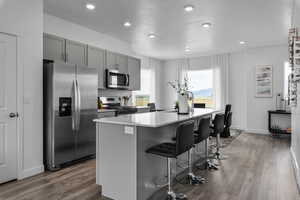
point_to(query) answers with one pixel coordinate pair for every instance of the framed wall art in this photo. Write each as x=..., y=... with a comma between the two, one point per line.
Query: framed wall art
x=264, y=81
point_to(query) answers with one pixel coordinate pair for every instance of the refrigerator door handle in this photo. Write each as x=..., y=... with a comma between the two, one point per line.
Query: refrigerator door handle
x=74, y=102
x=78, y=105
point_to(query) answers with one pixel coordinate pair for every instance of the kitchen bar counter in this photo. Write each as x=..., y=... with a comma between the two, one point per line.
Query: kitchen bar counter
x=124, y=170
x=154, y=119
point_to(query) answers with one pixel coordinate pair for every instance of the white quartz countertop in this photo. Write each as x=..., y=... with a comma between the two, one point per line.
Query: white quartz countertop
x=154, y=119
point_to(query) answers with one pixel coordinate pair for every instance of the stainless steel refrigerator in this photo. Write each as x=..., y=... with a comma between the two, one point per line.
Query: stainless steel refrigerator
x=70, y=105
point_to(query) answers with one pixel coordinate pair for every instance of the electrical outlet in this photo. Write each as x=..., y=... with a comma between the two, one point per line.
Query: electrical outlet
x=129, y=130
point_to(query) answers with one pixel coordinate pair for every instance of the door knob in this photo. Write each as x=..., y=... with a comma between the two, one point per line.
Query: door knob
x=13, y=115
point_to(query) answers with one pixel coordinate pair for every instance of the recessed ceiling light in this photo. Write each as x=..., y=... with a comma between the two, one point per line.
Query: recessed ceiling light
x=127, y=24
x=242, y=42
x=152, y=36
x=206, y=25
x=188, y=8
x=187, y=49
x=90, y=6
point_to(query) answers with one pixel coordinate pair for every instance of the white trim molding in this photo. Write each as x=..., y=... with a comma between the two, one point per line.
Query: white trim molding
x=258, y=131
x=296, y=168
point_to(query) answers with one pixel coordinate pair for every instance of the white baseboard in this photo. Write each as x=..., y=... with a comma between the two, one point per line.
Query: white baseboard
x=296, y=168
x=258, y=131
x=31, y=172
x=236, y=128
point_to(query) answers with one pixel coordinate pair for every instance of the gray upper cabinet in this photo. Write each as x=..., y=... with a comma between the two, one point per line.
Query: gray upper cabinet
x=122, y=62
x=76, y=53
x=117, y=62
x=134, y=70
x=54, y=48
x=111, y=60
x=96, y=58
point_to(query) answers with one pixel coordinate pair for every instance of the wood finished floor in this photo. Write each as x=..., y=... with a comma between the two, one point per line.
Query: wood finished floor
x=258, y=168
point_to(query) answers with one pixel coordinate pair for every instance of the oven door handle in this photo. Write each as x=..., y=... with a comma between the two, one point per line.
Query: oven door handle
x=127, y=79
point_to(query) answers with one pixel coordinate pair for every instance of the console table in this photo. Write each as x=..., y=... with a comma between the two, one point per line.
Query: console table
x=275, y=129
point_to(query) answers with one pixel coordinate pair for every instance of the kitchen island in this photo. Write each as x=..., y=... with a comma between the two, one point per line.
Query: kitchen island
x=124, y=170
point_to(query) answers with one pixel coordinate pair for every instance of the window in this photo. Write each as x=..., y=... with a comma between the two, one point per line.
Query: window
x=145, y=95
x=287, y=72
x=201, y=85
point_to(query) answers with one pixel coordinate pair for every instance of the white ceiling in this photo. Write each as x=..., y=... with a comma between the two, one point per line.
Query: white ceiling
x=259, y=22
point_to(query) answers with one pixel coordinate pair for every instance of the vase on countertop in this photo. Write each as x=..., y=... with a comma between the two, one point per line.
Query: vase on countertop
x=183, y=103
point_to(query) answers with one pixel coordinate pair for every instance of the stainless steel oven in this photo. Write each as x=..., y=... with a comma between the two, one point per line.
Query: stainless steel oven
x=116, y=80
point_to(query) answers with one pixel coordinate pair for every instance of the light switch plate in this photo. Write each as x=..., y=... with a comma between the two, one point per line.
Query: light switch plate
x=129, y=130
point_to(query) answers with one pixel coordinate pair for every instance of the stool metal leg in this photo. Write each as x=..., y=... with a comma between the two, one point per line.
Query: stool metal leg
x=193, y=180
x=171, y=194
x=209, y=164
x=218, y=154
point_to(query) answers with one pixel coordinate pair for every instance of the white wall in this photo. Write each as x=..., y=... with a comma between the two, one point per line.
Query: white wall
x=250, y=113
x=62, y=28
x=25, y=19
x=170, y=72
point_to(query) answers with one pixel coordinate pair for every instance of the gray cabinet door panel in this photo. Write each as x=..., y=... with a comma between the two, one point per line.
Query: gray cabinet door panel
x=117, y=61
x=76, y=53
x=122, y=63
x=96, y=58
x=54, y=48
x=111, y=60
x=134, y=70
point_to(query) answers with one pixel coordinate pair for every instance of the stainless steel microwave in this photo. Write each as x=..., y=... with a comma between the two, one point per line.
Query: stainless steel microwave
x=116, y=80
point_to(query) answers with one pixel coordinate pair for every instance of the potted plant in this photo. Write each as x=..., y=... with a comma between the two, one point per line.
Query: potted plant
x=184, y=95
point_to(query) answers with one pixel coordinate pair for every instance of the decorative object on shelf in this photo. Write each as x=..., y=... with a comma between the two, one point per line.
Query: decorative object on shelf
x=184, y=96
x=264, y=81
x=294, y=60
x=280, y=102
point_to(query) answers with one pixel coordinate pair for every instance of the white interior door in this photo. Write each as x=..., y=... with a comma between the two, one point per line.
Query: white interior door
x=8, y=108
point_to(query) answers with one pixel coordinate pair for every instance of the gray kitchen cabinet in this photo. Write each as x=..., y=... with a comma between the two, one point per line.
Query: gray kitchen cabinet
x=122, y=62
x=96, y=58
x=134, y=71
x=76, y=53
x=111, y=61
x=116, y=61
x=54, y=48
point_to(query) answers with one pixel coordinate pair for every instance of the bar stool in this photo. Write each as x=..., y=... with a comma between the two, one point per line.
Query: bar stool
x=202, y=134
x=184, y=143
x=228, y=121
x=217, y=129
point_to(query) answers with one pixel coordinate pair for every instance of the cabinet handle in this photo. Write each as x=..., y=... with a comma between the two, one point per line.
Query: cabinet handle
x=67, y=57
